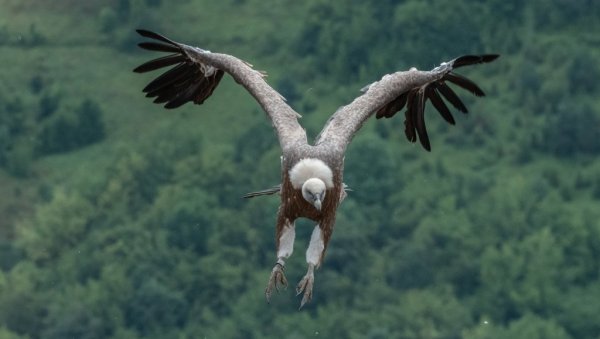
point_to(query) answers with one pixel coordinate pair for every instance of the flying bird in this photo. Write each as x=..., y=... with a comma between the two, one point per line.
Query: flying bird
x=311, y=174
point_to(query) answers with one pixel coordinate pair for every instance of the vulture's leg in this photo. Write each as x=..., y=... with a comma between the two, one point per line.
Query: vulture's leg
x=285, y=247
x=313, y=258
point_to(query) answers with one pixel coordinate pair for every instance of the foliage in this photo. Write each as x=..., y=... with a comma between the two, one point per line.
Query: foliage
x=494, y=234
x=67, y=132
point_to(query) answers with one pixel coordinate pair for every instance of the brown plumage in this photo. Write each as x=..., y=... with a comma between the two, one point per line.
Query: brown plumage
x=311, y=175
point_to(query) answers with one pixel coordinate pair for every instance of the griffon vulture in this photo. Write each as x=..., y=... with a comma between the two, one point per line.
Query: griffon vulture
x=311, y=174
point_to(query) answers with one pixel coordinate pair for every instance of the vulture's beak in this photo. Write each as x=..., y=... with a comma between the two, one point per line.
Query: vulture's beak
x=318, y=204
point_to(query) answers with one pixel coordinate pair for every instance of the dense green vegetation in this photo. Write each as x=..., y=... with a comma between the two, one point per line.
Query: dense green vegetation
x=119, y=219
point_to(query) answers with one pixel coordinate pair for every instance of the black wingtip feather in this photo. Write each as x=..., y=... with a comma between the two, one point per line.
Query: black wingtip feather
x=155, y=46
x=432, y=94
x=419, y=114
x=449, y=94
x=409, y=118
x=184, y=82
x=465, y=83
x=489, y=57
x=168, y=78
x=467, y=60
x=392, y=107
x=199, y=100
x=155, y=64
x=152, y=35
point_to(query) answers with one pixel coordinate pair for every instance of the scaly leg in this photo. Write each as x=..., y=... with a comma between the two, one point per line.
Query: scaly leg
x=313, y=258
x=285, y=249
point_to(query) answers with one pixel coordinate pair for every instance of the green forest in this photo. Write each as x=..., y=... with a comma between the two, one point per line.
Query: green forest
x=120, y=219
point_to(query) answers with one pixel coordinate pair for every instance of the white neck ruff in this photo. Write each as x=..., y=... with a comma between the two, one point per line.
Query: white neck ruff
x=310, y=168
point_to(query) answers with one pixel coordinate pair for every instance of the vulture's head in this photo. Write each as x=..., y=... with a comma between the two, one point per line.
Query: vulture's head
x=313, y=191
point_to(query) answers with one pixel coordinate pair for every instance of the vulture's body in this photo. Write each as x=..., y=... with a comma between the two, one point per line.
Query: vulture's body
x=311, y=174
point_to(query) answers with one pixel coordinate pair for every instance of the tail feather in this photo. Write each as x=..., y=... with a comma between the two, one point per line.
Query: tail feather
x=269, y=191
x=277, y=189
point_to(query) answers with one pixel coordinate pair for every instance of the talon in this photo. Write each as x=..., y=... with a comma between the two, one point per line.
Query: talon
x=300, y=287
x=276, y=279
x=280, y=280
x=306, y=285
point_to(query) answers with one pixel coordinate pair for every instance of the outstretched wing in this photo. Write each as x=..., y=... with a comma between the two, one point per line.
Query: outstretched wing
x=195, y=73
x=410, y=89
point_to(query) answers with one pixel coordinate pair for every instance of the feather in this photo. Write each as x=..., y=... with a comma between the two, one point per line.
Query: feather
x=393, y=107
x=420, y=119
x=366, y=88
x=160, y=63
x=449, y=94
x=409, y=121
x=155, y=46
x=172, y=92
x=189, y=92
x=383, y=111
x=169, y=93
x=166, y=79
x=465, y=83
x=152, y=35
x=432, y=94
x=467, y=60
x=203, y=92
x=269, y=191
x=207, y=91
x=172, y=89
x=218, y=77
x=183, y=97
x=310, y=168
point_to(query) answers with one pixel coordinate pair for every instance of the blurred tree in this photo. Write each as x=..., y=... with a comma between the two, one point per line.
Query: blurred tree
x=577, y=313
x=185, y=214
x=56, y=227
x=570, y=132
x=48, y=104
x=66, y=132
x=532, y=326
x=583, y=73
x=522, y=278
x=74, y=320
x=90, y=127
x=153, y=3
x=108, y=20
x=431, y=313
x=368, y=161
x=7, y=334
x=36, y=84
x=415, y=21
x=22, y=305
x=153, y=306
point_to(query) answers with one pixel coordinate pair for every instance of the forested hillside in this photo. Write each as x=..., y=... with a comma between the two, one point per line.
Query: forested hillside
x=120, y=219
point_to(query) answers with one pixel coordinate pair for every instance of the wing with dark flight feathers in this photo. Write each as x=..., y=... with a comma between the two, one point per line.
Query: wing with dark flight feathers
x=195, y=73
x=409, y=89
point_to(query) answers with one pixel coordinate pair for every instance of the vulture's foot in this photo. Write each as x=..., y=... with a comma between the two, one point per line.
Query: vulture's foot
x=277, y=279
x=306, y=285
